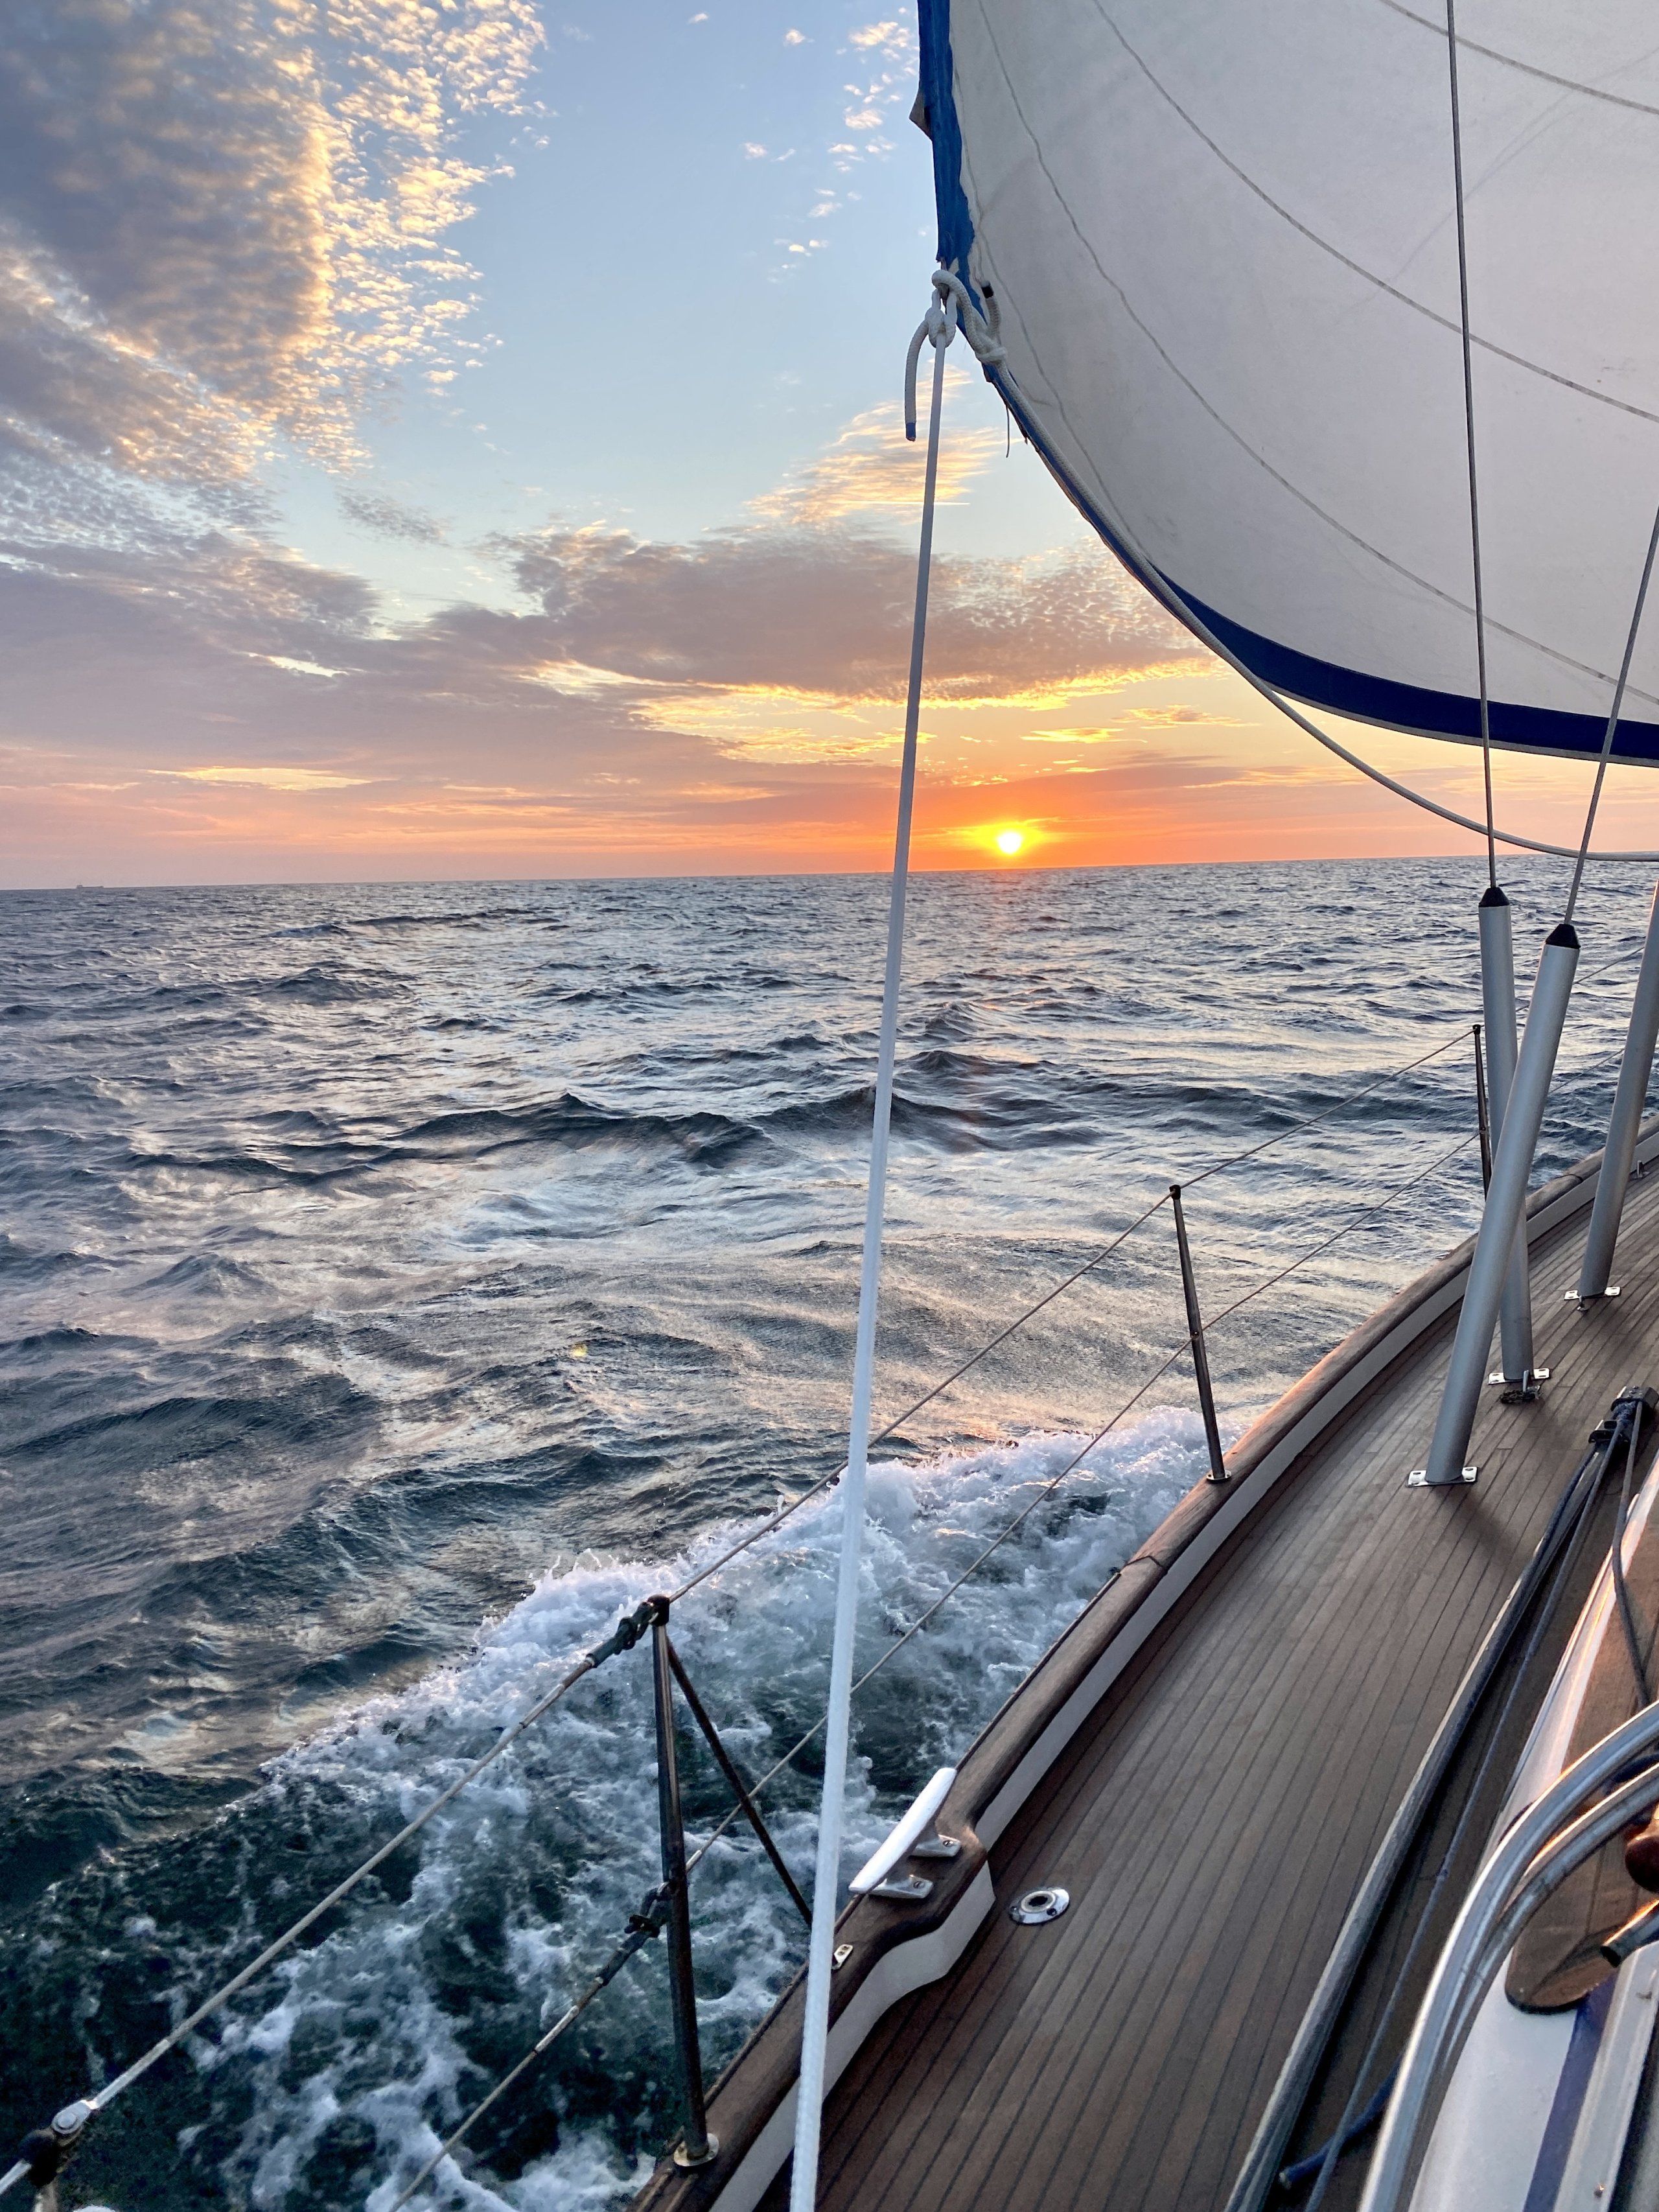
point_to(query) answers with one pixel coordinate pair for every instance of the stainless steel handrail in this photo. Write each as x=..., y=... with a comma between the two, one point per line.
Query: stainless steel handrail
x=1525, y=1866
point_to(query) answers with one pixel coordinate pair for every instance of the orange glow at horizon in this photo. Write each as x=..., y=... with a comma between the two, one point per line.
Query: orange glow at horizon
x=1195, y=771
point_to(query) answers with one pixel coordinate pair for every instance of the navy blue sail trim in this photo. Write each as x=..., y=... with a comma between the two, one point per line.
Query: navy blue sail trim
x=1300, y=676
x=938, y=100
x=1412, y=706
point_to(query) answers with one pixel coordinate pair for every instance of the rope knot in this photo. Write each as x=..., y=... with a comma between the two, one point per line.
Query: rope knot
x=626, y=1633
x=652, y=1916
x=951, y=308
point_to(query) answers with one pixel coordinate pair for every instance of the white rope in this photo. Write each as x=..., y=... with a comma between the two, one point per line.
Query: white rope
x=939, y=328
x=981, y=334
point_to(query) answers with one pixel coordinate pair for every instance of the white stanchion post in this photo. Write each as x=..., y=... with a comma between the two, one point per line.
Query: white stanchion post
x=1503, y=1218
x=1498, y=1005
x=1635, y=1072
x=826, y=1885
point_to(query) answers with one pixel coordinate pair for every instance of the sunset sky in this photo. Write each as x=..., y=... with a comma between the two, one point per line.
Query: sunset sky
x=463, y=440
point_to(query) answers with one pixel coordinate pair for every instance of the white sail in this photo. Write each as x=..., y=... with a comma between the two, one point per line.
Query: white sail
x=1221, y=238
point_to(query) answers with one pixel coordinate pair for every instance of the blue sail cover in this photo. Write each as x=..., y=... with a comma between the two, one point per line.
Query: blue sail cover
x=1221, y=238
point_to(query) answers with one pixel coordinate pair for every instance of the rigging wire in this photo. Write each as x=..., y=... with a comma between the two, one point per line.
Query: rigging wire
x=1123, y=541
x=629, y=1630
x=642, y=1928
x=1053, y=1481
x=723, y=1826
x=1215, y=1167
x=1468, y=426
x=1612, y=719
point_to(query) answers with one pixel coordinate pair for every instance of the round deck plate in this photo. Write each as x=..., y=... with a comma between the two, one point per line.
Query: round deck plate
x=1038, y=1906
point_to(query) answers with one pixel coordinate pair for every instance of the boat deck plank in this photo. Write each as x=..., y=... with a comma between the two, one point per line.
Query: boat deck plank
x=1215, y=1814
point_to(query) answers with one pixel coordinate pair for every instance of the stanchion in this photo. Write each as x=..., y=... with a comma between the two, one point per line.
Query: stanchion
x=1195, y=1331
x=698, y=2146
x=1504, y=1218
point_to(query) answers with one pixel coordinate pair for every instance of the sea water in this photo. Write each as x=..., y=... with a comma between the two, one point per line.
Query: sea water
x=402, y=1282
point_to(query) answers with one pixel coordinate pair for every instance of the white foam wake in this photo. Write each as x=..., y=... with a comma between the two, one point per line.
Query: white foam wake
x=396, y=2022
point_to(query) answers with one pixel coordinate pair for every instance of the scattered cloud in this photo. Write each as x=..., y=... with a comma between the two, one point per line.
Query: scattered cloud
x=824, y=611
x=300, y=667
x=874, y=104
x=1134, y=723
x=794, y=38
x=892, y=38
x=1169, y=718
x=750, y=676
x=244, y=776
x=871, y=468
x=390, y=518
x=228, y=220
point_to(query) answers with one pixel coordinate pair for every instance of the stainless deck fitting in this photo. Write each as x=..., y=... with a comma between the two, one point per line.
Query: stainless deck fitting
x=906, y=1888
x=1038, y=1906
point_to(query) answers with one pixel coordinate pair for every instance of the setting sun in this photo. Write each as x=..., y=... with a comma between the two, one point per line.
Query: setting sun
x=1009, y=841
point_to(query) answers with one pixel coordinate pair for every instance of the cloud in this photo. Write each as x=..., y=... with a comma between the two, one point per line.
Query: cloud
x=871, y=468
x=826, y=611
x=891, y=38
x=174, y=668
x=1170, y=718
x=227, y=219
x=1134, y=722
x=874, y=103
x=250, y=776
x=390, y=518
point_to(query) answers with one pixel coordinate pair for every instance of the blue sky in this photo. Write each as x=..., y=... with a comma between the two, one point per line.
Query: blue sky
x=461, y=437
x=712, y=245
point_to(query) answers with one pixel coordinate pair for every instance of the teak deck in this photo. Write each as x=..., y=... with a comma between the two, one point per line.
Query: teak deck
x=1214, y=1811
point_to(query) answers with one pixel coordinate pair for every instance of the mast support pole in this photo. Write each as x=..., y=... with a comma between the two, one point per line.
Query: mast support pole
x=1635, y=1071
x=1504, y=1220
x=1498, y=1004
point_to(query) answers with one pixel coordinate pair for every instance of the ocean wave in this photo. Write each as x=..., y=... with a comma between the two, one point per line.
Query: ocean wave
x=354, y=1270
x=573, y=1121
x=332, y=2081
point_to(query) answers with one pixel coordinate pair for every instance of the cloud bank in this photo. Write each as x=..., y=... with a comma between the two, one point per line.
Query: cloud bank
x=227, y=222
x=227, y=233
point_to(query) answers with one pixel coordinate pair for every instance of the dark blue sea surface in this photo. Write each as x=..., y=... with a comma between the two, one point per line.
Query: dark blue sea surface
x=400, y=1282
